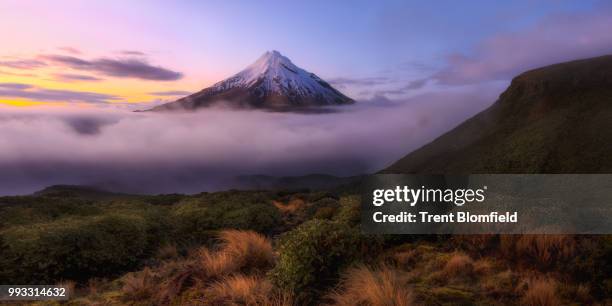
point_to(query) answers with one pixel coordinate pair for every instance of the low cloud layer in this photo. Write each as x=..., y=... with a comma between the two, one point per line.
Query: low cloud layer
x=161, y=153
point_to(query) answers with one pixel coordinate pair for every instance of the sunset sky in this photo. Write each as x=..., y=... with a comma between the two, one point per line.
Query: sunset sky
x=136, y=53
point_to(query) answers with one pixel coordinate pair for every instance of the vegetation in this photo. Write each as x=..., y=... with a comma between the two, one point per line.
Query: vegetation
x=312, y=255
x=279, y=248
x=554, y=119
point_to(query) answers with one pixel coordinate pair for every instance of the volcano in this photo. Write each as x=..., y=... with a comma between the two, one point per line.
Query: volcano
x=271, y=82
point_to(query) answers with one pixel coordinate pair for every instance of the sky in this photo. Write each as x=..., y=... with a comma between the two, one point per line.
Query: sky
x=71, y=72
x=134, y=53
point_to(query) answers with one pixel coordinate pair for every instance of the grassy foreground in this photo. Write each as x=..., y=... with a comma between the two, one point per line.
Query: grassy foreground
x=278, y=248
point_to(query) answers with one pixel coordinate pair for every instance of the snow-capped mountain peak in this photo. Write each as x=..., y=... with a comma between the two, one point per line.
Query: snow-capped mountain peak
x=272, y=81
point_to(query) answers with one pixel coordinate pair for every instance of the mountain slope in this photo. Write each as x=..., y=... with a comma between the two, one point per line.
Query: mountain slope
x=555, y=119
x=273, y=82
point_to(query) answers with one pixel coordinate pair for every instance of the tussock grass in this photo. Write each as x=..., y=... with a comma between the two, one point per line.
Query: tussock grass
x=139, y=286
x=239, y=251
x=540, y=292
x=545, y=250
x=245, y=290
x=364, y=286
x=291, y=207
x=459, y=264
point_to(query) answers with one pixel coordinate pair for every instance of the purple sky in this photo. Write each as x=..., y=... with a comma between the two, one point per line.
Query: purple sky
x=71, y=71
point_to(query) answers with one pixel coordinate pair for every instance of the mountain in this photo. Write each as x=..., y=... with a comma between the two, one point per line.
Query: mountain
x=272, y=82
x=555, y=119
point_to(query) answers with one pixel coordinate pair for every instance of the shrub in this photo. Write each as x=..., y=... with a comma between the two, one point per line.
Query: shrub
x=312, y=254
x=72, y=249
x=592, y=264
x=24, y=210
x=350, y=210
x=324, y=213
x=324, y=208
x=167, y=252
x=363, y=286
x=197, y=221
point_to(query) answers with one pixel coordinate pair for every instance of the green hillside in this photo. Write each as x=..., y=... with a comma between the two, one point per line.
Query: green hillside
x=555, y=119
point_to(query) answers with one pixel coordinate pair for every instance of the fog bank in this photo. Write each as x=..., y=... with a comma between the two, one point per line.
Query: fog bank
x=204, y=151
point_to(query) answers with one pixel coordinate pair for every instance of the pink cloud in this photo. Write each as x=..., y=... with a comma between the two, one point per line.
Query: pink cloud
x=558, y=38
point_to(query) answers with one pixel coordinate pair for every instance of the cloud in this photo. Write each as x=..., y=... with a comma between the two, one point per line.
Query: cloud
x=88, y=125
x=68, y=77
x=161, y=153
x=70, y=50
x=132, y=52
x=416, y=84
x=171, y=93
x=15, y=90
x=17, y=74
x=17, y=86
x=557, y=38
x=124, y=68
x=369, y=81
x=25, y=64
x=411, y=86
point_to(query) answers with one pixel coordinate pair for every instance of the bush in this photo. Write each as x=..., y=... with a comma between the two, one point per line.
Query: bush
x=312, y=255
x=198, y=221
x=592, y=264
x=350, y=210
x=71, y=249
x=324, y=208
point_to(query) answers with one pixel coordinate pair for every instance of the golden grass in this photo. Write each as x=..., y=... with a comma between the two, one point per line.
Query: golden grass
x=291, y=207
x=244, y=290
x=459, y=264
x=248, y=248
x=239, y=251
x=474, y=243
x=69, y=285
x=498, y=284
x=540, y=292
x=545, y=250
x=139, y=285
x=483, y=266
x=363, y=286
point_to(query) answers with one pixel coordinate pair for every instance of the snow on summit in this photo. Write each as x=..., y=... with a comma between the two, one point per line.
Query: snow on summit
x=272, y=81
